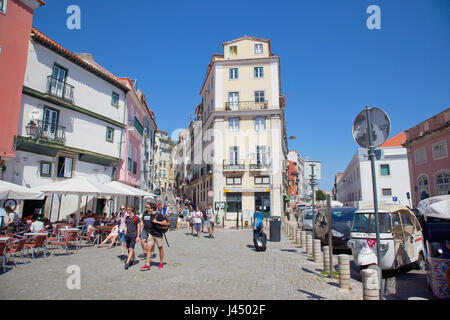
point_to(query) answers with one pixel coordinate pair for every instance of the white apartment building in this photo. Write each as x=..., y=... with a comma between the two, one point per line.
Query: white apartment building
x=354, y=188
x=77, y=109
x=163, y=161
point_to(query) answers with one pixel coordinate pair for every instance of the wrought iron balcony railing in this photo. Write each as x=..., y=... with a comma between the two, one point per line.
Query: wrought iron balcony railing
x=59, y=88
x=234, y=164
x=51, y=132
x=259, y=165
x=246, y=105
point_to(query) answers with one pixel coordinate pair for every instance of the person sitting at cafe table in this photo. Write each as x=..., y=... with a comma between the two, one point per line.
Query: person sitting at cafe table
x=37, y=225
x=47, y=224
x=87, y=223
x=13, y=220
x=111, y=236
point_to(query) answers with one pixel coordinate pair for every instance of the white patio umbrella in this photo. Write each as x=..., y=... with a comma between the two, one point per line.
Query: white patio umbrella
x=80, y=185
x=134, y=191
x=10, y=190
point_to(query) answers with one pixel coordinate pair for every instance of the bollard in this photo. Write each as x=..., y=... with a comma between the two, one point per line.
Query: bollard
x=297, y=236
x=326, y=259
x=371, y=290
x=292, y=232
x=317, y=250
x=344, y=271
x=309, y=244
x=303, y=239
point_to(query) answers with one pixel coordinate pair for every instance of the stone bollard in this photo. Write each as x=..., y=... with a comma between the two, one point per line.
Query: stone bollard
x=292, y=232
x=371, y=289
x=317, y=251
x=297, y=238
x=326, y=259
x=344, y=271
x=309, y=244
x=303, y=239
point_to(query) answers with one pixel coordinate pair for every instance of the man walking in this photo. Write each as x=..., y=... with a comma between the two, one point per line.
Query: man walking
x=132, y=233
x=158, y=222
x=258, y=224
x=211, y=216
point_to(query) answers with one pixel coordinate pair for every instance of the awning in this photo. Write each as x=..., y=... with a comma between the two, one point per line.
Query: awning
x=128, y=189
x=80, y=185
x=10, y=190
x=436, y=207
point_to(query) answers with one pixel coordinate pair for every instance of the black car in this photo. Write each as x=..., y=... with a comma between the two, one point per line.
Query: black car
x=342, y=222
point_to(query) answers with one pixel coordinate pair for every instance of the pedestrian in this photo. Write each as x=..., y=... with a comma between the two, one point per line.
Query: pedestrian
x=185, y=216
x=156, y=223
x=211, y=216
x=132, y=233
x=198, y=220
x=205, y=219
x=190, y=219
x=145, y=231
x=258, y=224
x=180, y=217
x=122, y=220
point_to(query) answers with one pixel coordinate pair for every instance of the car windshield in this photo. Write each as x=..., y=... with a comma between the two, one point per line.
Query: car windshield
x=308, y=215
x=365, y=222
x=343, y=215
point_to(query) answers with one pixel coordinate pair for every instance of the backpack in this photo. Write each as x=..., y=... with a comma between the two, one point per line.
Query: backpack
x=162, y=229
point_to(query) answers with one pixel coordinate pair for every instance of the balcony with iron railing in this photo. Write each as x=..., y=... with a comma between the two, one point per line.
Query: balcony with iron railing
x=233, y=165
x=59, y=88
x=246, y=105
x=51, y=132
x=259, y=165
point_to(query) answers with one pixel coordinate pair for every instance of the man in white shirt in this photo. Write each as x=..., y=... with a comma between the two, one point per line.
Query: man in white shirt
x=37, y=225
x=198, y=219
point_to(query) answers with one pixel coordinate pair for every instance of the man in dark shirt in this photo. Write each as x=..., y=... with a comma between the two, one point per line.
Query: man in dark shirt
x=147, y=218
x=158, y=221
x=132, y=232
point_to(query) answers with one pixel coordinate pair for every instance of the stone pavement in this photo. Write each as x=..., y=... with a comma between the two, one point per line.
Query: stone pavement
x=223, y=268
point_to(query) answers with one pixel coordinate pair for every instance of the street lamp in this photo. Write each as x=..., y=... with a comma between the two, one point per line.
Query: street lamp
x=31, y=129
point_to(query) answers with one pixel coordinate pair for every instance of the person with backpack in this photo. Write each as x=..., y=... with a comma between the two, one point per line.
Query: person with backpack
x=205, y=219
x=132, y=233
x=158, y=224
x=258, y=227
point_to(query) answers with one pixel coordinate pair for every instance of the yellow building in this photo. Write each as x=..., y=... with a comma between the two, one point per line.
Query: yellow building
x=238, y=141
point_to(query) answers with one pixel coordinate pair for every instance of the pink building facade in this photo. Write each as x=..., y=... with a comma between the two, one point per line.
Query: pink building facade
x=429, y=163
x=16, y=18
x=129, y=168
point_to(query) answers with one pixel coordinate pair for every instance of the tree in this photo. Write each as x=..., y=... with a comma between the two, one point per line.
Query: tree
x=320, y=195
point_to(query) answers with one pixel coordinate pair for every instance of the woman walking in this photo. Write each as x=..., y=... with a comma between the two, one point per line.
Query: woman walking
x=198, y=220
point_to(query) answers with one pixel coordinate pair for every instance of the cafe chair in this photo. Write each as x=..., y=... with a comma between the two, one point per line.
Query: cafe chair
x=64, y=243
x=39, y=242
x=89, y=237
x=3, y=245
x=17, y=248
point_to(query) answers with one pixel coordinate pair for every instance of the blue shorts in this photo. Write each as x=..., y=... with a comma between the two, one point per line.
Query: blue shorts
x=198, y=226
x=122, y=237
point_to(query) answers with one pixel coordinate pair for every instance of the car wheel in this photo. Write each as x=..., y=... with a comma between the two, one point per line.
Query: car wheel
x=420, y=263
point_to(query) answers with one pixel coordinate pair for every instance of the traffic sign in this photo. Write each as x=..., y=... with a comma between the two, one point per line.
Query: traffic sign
x=381, y=127
x=395, y=199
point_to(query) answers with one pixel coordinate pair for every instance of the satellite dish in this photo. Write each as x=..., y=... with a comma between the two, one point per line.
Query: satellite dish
x=381, y=127
x=35, y=115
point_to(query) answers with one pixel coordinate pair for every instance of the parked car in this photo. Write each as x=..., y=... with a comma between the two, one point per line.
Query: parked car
x=306, y=220
x=342, y=218
x=436, y=211
x=401, y=240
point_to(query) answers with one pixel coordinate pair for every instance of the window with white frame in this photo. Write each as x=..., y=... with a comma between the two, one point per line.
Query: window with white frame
x=442, y=183
x=233, y=73
x=261, y=155
x=440, y=150
x=64, y=167
x=262, y=180
x=260, y=124
x=109, y=134
x=233, y=124
x=258, y=72
x=420, y=156
x=233, y=154
x=259, y=96
x=258, y=48
x=234, y=180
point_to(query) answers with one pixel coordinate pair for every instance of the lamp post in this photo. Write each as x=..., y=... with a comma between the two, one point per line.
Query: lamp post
x=313, y=184
x=31, y=129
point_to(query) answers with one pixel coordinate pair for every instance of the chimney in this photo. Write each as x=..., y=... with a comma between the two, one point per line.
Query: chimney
x=87, y=57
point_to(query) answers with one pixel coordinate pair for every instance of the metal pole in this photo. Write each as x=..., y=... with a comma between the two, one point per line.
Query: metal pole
x=330, y=234
x=312, y=195
x=375, y=198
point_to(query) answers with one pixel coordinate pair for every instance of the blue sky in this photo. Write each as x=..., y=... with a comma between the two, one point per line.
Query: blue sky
x=332, y=65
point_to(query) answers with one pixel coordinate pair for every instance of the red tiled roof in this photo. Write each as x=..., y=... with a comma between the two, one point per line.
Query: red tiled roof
x=95, y=68
x=395, y=141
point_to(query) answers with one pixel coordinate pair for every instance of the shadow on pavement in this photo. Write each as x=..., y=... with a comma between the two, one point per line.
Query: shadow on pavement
x=312, y=295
